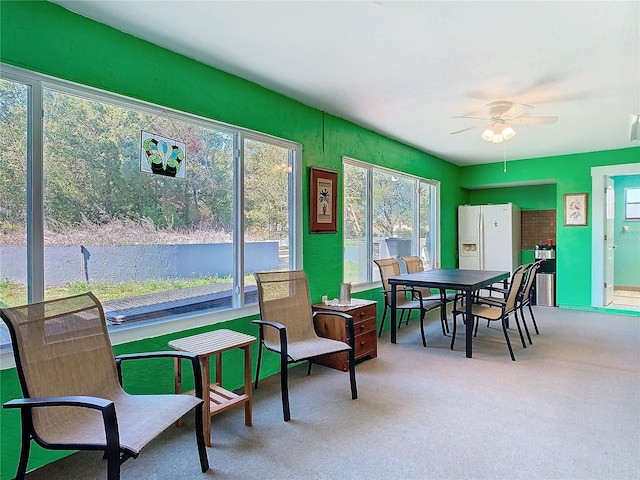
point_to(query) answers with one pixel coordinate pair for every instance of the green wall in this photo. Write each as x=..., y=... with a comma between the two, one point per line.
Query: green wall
x=528, y=197
x=572, y=174
x=44, y=37
x=627, y=253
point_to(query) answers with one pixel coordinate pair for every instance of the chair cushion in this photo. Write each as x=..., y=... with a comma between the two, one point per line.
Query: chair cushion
x=141, y=418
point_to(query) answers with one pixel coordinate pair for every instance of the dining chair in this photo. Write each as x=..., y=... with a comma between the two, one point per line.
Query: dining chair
x=286, y=327
x=525, y=300
x=414, y=264
x=407, y=299
x=72, y=385
x=494, y=310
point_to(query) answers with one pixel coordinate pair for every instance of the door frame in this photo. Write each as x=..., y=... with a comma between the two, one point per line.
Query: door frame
x=598, y=257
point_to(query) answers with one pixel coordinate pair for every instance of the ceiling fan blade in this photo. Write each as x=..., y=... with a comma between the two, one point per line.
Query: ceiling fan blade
x=473, y=118
x=518, y=110
x=533, y=120
x=464, y=130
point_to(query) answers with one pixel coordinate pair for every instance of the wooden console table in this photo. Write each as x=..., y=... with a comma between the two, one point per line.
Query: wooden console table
x=210, y=344
x=364, y=326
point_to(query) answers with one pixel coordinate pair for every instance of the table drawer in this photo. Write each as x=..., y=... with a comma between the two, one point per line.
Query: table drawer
x=363, y=314
x=366, y=344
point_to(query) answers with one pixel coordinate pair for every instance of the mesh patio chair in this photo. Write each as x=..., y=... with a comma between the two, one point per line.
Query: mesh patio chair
x=494, y=310
x=72, y=386
x=287, y=328
x=414, y=264
x=407, y=299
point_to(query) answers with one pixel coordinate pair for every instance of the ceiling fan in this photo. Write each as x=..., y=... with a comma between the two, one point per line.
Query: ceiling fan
x=502, y=115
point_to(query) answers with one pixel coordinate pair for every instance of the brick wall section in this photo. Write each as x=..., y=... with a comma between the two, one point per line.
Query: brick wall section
x=537, y=227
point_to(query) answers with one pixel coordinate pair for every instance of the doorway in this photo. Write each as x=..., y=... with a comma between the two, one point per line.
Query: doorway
x=601, y=264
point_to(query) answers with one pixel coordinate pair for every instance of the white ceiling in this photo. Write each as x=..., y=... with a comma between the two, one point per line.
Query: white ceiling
x=404, y=69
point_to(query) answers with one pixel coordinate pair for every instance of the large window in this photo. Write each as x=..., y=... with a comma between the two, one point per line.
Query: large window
x=82, y=209
x=386, y=214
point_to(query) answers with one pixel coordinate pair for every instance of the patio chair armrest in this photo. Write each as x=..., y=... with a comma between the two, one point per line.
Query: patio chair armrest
x=282, y=330
x=195, y=364
x=97, y=403
x=348, y=322
x=106, y=407
x=267, y=323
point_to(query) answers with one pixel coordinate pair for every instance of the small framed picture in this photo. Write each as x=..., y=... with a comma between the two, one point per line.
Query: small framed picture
x=575, y=209
x=323, y=192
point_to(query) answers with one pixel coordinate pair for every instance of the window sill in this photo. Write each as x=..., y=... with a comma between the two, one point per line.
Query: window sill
x=131, y=333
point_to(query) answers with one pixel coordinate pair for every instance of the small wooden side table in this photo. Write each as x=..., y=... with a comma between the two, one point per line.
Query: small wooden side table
x=210, y=344
x=364, y=327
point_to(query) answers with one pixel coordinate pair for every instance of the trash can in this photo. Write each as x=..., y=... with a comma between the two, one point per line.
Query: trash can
x=546, y=289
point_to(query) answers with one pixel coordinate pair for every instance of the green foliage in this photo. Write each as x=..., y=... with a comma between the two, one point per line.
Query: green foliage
x=92, y=170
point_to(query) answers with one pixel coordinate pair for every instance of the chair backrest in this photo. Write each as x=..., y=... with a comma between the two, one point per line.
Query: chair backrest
x=414, y=264
x=61, y=347
x=389, y=267
x=528, y=283
x=284, y=298
x=515, y=287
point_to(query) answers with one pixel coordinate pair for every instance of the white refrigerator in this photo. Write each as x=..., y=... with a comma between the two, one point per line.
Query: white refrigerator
x=489, y=237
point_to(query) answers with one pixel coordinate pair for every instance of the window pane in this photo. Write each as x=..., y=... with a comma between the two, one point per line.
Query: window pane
x=13, y=195
x=266, y=211
x=427, y=243
x=147, y=245
x=393, y=215
x=356, y=259
x=632, y=204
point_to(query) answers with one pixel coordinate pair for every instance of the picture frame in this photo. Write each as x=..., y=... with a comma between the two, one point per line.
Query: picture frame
x=323, y=196
x=575, y=209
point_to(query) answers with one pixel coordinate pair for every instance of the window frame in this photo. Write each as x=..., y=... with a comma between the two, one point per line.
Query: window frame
x=627, y=203
x=372, y=278
x=36, y=83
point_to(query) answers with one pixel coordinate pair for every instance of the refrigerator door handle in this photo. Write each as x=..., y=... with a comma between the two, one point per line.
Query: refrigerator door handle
x=481, y=241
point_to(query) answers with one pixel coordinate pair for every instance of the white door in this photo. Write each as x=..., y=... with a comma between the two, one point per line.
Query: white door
x=497, y=241
x=609, y=246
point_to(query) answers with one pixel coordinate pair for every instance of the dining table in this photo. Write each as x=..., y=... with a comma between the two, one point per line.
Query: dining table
x=464, y=281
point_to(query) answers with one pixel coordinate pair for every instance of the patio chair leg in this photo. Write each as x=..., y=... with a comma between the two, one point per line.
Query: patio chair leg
x=453, y=334
x=255, y=384
x=526, y=327
x=424, y=339
x=352, y=374
x=309, y=367
x=24, y=450
x=202, y=450
x=506, y=336
x=535, y=325
x=515, y=312
x=284, y=387
x=113, y=465
x=384, y=315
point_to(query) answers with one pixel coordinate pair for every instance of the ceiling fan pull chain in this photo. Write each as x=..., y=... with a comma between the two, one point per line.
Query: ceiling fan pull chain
x=504, y=151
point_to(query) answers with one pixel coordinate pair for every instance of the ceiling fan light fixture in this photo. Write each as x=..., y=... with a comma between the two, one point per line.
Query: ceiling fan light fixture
x=487, y=135
x=508, y=132
x=497, y=138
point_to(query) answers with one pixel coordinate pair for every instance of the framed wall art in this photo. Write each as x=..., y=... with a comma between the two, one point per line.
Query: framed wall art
x=323, y=192
x=575, y=209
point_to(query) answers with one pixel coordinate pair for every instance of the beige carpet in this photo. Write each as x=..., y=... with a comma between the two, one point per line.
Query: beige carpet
x=568, y=408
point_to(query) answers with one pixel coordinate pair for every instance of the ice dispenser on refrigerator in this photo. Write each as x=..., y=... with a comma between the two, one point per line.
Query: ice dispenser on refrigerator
x=546, y=277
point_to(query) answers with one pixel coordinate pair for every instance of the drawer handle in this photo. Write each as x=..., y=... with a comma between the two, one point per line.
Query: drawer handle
x=361, y=327
x=362, y=344
x=361, y=314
